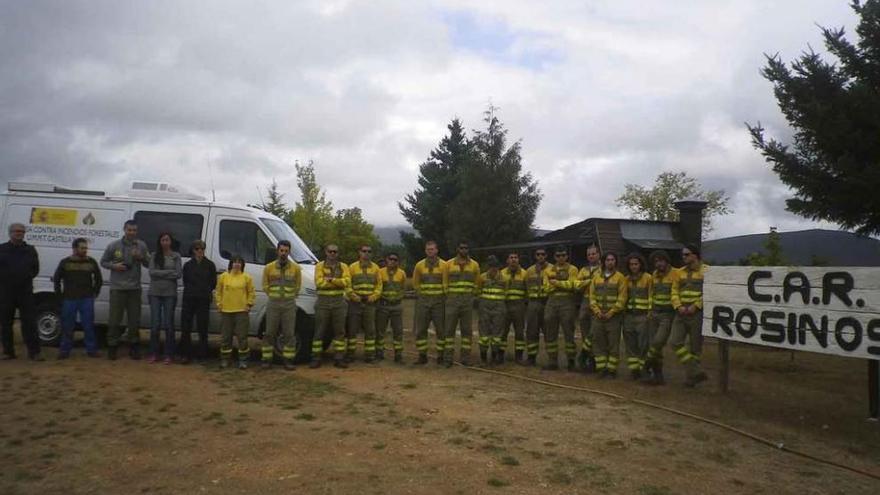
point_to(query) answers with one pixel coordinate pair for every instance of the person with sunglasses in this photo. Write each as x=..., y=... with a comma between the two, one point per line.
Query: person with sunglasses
x=560, y=284
x=199, y=281
x=585, y=358
x=535, y=306
x=687, y=328
x=19, y=265
x=333, y=281
x=366, y=290
x=390, y=309
x=460, y=282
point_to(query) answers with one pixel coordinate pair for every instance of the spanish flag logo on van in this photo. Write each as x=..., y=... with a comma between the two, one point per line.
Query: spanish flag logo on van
x=53, y=216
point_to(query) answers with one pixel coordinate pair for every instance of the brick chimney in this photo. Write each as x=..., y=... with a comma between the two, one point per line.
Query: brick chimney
x=690, y=219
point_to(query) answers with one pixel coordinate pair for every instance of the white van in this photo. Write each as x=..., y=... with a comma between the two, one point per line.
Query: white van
x=55, y=216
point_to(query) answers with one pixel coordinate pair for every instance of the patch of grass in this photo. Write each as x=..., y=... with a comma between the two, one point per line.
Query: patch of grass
x=549, y=444
x=457, y=441
x=305, y=416
x=723, y=455
x=491, y=448
x=509, y=460
x=654, y=490
x=378, y=446
x=701, y=436
x=241, y=431
x=408, y=385
x=616, y=444
x=497, y=483
x=344, y=433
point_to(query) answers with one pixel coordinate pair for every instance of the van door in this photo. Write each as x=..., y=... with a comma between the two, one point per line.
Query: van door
x=238, y=234
x=185, y=223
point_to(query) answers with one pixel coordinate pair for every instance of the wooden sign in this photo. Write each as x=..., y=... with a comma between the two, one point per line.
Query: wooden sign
x=828, y=310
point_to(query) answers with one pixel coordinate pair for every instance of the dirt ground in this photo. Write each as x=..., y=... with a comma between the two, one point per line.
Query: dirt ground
x=94, y=426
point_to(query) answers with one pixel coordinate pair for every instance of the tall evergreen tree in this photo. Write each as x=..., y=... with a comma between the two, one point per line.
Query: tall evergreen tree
x=274, y=203
x=833, y=164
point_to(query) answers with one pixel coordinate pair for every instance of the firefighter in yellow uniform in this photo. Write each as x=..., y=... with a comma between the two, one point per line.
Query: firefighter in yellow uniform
x=662, y=314
x=333, y=283
x=430, y=299
x=492, y=289
x=687, y=328
x=607, y=301
x=639, y=286
x=366, y=288
x=585, y=318
x=390, y=309
x=535, y=306
x=515, y=312
x=282, y=280
x=460, y=283
x=560, y=285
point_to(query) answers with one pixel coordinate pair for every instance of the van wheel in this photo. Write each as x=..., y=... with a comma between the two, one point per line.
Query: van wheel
x=48, y=325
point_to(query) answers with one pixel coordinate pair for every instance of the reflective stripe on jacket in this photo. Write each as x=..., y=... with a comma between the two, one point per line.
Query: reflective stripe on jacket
x=608, y=295
x=461, y=278
x=281, y=283
x=428, y=278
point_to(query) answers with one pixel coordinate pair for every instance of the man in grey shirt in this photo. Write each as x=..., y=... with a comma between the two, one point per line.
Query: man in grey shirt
x=124, y=258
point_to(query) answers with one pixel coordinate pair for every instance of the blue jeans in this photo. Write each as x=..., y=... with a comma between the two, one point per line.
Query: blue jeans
x=85, y=307
x=162, y=317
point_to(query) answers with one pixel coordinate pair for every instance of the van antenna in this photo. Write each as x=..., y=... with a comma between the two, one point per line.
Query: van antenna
x=263, y=203
x=211, y=173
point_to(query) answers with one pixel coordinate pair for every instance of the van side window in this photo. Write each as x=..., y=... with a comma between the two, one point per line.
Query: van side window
x=184, y=228
x=245, y=239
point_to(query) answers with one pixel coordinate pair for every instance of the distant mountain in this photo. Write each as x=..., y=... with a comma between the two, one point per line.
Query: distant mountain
x=803, y=247
x=391, y=235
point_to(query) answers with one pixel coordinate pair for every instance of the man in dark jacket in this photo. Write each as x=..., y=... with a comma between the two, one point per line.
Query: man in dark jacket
x=78, y=282
x=19, y=264
x=199, y=280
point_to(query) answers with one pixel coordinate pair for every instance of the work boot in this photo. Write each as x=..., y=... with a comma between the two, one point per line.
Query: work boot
x=552, y=362
x=224, y=363
x=398, y=357
x=266, y=365
x=242, y=363
x=693, y=381
x=519, y=358
x=288, y=365
x=315, y=363
x=339, y=361
x=449, y=358
x=380, y=355
x=349, y=357
x=571, y=366
x=423, y=358
x=111, y=353
x=590, y=367
x=465, y=358
x=369, y=358
x=483, y=358
x=612, y=374
x=533, y=360
x=583, y=359
x=635, y=375
x=134, y=352
x=658, y=379
x=499, y=356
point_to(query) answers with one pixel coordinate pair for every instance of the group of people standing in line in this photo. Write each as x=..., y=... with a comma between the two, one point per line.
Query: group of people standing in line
x=647, y=309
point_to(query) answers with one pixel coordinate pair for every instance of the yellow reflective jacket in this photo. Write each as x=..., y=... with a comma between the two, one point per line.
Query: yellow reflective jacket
x=661, y=300
x=608, y=295
x=492, y=288
x=461, y=279
x=365, y=282
x=687, y=288
x=332, y=281
x=516, y=283
x=585, y=276
x=535, y=281
x=565, y=278
x=235, y=292
x=282, y=283
x=428, y=278
x=392, y=285
x=639, y=292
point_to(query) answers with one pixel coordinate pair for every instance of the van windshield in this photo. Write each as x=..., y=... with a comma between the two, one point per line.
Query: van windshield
x=299, y=251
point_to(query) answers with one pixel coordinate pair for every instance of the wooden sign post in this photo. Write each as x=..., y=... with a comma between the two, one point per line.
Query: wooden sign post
x=827, y=310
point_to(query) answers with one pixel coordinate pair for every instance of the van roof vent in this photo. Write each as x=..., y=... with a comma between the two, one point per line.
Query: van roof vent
x=50, y=189
x=147, y=189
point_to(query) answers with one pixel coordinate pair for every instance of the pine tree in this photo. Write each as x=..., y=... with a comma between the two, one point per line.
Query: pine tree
x=833, y=164
x=275, y=204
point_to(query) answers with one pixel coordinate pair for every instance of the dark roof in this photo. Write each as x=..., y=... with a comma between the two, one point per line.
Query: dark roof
x=803, y=247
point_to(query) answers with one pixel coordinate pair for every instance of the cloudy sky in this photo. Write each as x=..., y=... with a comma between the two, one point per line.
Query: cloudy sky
x=602, y=93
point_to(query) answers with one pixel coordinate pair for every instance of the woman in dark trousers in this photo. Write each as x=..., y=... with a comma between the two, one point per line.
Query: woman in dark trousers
x=165, y=270
x=199, y=280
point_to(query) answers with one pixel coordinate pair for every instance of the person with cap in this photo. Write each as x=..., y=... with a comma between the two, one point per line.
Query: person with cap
x=560, y=285
x=608, y=297
x=427, y=279
x=460, y=282
x=515, y=307
x=535, y=306
x=333, y=281
x=687, y=328
x=492, y=288
x=282, y=280
x=585, y=358
x=662, y=314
